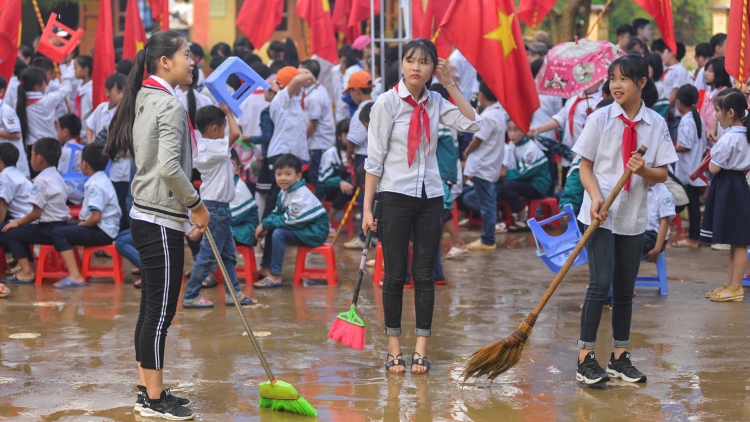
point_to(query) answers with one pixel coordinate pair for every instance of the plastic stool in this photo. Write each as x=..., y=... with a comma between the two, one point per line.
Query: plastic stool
x=454, y=213
x=58, y=52
x=217, y=83
x=329, y=273
x=555, y=250
x=50, y=263
x=549, y=209
x=379, y=272
x=250, y=271
x=660, y=280
x=3, y=262
x=348, y=225
x=115, y=271
x=75, y=210
x=678, y=222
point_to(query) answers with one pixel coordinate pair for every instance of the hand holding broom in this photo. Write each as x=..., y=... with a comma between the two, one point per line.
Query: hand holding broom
x=498, y=357
x=274, y=394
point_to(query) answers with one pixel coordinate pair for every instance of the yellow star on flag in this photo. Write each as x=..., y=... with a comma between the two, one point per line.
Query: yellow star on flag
x=504, y=32
x=138, y=45
x=326, y=6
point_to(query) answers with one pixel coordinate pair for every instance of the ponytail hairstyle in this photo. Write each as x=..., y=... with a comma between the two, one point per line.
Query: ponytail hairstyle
x=635, y=68
x=86, y=62
x=161, y=44
x=30, y=79
x=191, y=95
x=732, y=99
x=721, y=77
x=688, y=96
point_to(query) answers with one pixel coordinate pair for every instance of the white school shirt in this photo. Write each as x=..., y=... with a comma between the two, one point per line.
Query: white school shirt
x=67, y=105
x=101, y=196
x=342, y=110
x=10, y=123
x=251, y=109
x=509, y=160
x=688, y=137
x=85, y=93
x=75, y=195
x=601, y=142
x=100, y=118
x=700, y=79
x=388, y=139
x=41, y=114
x=201, y=100
x=377, y=90
x=675, y=76
x=549, y=106
x=217, y=173
x=50, y=193
x=15, y=189
x=290, y=126
x=732, y=151
x=318, y=107
x=11, y=93
x=357, y=131
x=487, y=160
x=660, y=204
x=579, y=118
x=466, y=74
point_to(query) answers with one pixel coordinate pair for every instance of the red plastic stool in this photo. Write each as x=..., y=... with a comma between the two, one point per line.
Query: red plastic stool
x=115, y=271
x=348, y=225
x=329, y=273
x=454, y=213
x=379, y=272
x=678, y=222
x=473, y=221
x=250, y=271
x=75, y=210
x=58, y=52
x=549, y=209
x=508, y=220
x=3, y=262
x=50, y=264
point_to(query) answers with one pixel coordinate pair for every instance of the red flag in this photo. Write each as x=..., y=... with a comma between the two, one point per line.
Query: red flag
x=738, y=42
x=340, y=15
x=361, y=11
x=10, y=19
x=259, y=19
x=160, y=12
x=433, y=16
x=488, y=34
x=661, y=11
x=135, y=35
x=104, y=53
x=418, y=12
x=531, y=12
x=317, y=13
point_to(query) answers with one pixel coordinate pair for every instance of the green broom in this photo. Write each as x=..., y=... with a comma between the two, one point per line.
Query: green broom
x=274, y=394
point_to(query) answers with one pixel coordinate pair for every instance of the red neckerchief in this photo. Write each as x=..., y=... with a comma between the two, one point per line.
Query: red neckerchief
x=77, y=102
x=153, y=83
x=418, y=117
x=31, y=101
x=629, y=143
x=572, y=113
x=664, y=74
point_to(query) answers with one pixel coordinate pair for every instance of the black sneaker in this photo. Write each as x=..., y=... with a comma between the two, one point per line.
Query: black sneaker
x=590, y=372
x=622, y=368
x=142, y=397
x=166, y=407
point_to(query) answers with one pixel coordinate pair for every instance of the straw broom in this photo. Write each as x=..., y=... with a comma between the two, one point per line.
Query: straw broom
x=346, y=216
x=274, y=394
x=498, y=357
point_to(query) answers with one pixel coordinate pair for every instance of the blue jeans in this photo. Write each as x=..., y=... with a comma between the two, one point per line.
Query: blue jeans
x=273, y=253
x=124, y=245
x=205, y=262
x=484, y=200
x=314, y=172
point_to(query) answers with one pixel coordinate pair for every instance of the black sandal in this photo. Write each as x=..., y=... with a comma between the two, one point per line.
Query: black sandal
x=421, y=360
x=396, y=361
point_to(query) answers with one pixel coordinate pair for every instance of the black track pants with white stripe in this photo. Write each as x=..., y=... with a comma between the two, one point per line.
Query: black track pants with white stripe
x=162, y=252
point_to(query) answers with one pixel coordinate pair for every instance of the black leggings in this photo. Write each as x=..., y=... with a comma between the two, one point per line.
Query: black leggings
x=402, y=216
x=694, y=211
x=162, y=258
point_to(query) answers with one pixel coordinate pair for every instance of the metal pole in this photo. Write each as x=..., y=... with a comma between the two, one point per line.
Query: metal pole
x=372, y=38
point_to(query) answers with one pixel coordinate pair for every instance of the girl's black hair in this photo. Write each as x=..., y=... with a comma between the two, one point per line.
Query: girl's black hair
x=421, y=46
x=19, y=67
x=85, y=61
x=635, y=68
x=30, y=79
x=721, y=77
x=191, y=95
x=342, y=127
x=654, y=60
x=734, y=100
x=120, y=136
x=26, y=51
x=221, y=49
x=3, y=82
x=288, y=160
x=688, y=96
x=116, y=80
x=291, y=57
x=352, y=57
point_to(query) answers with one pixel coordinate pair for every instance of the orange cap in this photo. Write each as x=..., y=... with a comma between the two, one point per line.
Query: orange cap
x=285, y=75
x=359, y=79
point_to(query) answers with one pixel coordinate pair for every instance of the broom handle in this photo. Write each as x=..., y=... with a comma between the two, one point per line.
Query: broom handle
x=346, y=216
x=363, y=262
x=585, y=238
x=248, y=330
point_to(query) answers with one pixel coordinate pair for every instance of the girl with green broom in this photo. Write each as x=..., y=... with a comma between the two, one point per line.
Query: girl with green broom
x=402, y=166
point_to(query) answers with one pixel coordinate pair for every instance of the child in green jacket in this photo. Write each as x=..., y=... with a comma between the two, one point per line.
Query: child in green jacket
x=243, y=207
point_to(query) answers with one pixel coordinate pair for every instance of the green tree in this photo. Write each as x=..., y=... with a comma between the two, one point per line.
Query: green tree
x=692, y=20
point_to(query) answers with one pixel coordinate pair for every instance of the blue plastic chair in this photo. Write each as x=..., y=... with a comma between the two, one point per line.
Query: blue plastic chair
x=660, y=280
x=77, y=177
x=217, y=83
x=555, y=250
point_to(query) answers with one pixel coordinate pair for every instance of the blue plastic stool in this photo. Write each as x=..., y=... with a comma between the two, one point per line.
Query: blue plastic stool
x=77, y=177
x=217, y=83
x=555, y=250
x=660, y=280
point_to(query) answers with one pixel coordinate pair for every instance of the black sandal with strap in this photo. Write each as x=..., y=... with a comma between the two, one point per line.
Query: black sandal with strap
x=396, y=361
x=421, y=360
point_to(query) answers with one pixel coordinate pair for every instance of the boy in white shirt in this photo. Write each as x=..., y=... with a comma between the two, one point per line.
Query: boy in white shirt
x=484, y=163
x=99, y=217
x=68, y=127
x=99, y=119
x=10, y=129
x=675, y=75
x=47, y=197
x=661, y=212
x=320, y=126
x=217, y=191
x=15, y=187
x=84, y=102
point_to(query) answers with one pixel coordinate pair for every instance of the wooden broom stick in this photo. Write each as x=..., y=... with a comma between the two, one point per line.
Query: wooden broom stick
x=346, y=216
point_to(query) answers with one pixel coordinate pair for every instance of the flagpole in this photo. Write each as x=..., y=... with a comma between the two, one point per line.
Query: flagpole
x=598, y=18
x=742, y=44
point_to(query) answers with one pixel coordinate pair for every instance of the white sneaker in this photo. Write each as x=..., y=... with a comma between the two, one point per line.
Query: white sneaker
x=501, y=228
x=720, y=247
x=463, y=222
x=355, y=243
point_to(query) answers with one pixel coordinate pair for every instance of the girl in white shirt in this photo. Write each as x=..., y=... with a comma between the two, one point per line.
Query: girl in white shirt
x=402, y=166
x=35, y=109
x=607, y=146
x=726, y=218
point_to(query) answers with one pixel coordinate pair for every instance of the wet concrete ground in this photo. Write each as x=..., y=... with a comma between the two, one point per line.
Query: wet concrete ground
x=81, y=368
